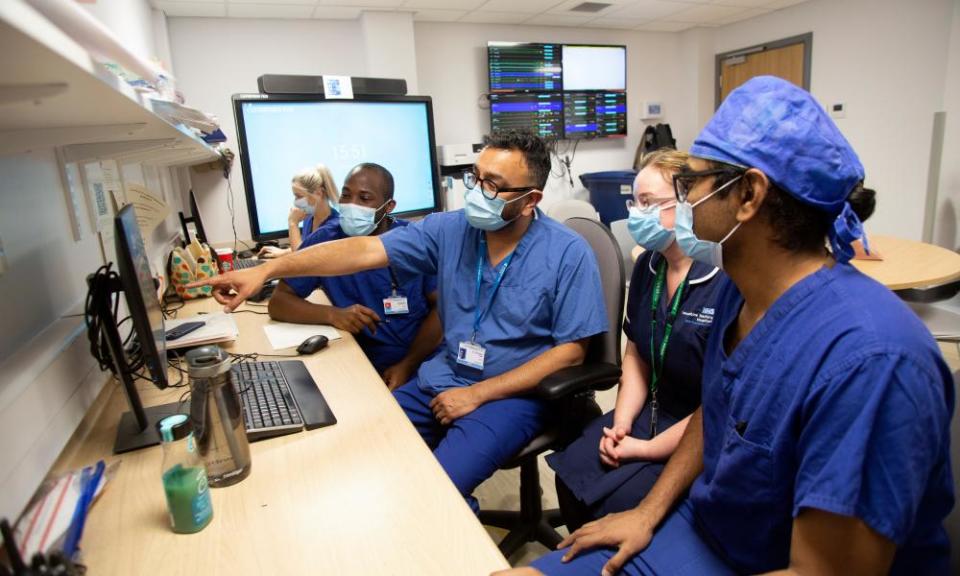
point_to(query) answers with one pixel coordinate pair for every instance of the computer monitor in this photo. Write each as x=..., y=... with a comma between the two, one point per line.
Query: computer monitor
x=137, y=428
x=281, y=135
x=541, y=113
x=594, y=114
x=593, y=67
x=524, y=66
x=140, y=293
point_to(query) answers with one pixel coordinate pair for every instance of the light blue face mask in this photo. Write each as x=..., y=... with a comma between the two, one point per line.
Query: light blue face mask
x=305, y=205
x=484, y=213
x=705, y=251
x=645, y=227
x=357, y=220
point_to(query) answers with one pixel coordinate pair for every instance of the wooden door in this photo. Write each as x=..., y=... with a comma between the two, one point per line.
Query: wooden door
x=787, y=59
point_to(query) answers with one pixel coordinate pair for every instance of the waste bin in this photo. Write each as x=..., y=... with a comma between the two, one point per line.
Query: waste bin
x=609, y=192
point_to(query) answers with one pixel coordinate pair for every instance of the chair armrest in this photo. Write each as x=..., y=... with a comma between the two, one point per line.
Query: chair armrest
x=594, y=376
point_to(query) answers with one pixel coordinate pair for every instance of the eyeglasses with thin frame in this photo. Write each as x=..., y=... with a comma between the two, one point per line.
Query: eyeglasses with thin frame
x=488, y=187
x=645, y=203
x=683, y=182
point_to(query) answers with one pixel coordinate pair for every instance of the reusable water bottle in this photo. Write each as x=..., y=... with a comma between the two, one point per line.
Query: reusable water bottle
x=184, y=477
x=217, y=416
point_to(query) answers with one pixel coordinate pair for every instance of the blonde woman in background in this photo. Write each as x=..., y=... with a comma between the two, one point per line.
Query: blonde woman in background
x=315, y=193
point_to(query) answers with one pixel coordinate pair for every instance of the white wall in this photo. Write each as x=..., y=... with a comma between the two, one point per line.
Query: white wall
x=48, y=379
x=131, y=21
x=946, y=230
x=886, y=59
x=215, y=58
x=452, y=68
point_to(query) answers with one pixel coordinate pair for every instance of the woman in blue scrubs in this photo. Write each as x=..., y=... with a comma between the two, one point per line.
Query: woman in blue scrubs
x=394, y=322
x=314, y=196
x=670, y=310
x=822, y=445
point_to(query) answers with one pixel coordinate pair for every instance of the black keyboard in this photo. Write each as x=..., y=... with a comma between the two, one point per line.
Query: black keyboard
x=247, y=263
x=279, y=398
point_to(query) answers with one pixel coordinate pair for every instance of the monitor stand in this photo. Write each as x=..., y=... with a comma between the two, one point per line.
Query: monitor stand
x=138, y=427
x=130, y=436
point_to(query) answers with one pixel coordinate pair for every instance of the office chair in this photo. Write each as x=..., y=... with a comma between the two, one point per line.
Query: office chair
x=564, y=210
x=571, y=393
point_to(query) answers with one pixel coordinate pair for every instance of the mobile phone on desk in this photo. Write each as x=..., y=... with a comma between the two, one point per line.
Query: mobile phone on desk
x=182, y=330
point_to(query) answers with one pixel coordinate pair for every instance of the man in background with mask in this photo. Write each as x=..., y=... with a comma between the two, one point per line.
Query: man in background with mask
x=519, y=298
x=395, y=324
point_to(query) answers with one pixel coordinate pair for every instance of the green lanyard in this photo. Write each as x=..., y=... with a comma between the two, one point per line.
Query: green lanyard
x=656, y=360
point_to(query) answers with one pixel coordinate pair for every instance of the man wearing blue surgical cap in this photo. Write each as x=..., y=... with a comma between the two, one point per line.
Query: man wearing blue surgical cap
x=822, y=444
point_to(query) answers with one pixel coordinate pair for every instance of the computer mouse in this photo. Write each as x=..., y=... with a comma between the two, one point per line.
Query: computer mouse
x=312, y=344
x=245, y=255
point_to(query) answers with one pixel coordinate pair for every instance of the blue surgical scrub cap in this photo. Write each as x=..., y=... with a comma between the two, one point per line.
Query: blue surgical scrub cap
x=774, y=126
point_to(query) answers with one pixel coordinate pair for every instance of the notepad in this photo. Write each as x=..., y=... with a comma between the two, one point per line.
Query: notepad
x=218, y=327
x=286, y=335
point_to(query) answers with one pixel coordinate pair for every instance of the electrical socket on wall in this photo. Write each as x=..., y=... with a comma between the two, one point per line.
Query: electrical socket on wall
x=838, y=110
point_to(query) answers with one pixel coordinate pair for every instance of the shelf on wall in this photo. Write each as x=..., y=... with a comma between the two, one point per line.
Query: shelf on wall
x=53, y=93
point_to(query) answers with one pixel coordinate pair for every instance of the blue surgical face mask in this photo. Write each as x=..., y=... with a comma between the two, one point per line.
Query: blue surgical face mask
x=305, y=205
x=357, y=220
x=705, y=251
x=644, y=225
x=484, y=213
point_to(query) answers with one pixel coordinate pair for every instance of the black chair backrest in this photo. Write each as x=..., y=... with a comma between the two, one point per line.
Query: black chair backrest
x=952, y=522
x=605, y=347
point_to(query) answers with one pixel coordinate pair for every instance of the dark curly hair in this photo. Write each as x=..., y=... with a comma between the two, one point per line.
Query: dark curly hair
x=535, y=150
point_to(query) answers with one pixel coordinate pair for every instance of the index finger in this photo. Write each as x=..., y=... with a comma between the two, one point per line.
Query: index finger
x=218, y=280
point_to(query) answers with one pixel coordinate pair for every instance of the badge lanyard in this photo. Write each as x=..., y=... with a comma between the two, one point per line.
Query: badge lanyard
x=481, y=260
x=395, y=304
x=656, y=363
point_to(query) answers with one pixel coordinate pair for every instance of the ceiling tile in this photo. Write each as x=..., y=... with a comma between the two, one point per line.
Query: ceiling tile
x=665, y=26
x=745, y=15
x=778, y=4
x=193, y=9
x=648, y=9
x=528, y=6
x=619, y=23
x=709, y=14
x=336, y=13
x=565, y=6
x=481, y=17
x=274, y=2
x=436, y=15
x=369, y=4
x=558, y=20
x=269, y=10
x=444, y=4
x=745, y=3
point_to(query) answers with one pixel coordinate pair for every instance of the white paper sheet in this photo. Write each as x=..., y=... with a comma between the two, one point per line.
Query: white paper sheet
x=285, y=335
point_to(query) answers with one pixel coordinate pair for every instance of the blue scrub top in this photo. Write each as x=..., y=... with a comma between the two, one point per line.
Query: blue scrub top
x=838, y=400
x=679, y=387
x=307, y=225
x=549, y=295
x=396, y=332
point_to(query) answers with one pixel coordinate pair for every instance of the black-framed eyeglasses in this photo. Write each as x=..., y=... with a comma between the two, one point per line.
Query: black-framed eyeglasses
x=683, y=182
x=488, y=188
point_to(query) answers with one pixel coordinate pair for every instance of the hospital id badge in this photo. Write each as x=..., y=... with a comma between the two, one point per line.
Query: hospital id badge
x=471, y=354
x=395, y=305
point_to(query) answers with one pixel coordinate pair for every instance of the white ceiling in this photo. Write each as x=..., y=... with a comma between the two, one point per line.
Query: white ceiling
x=647, y=15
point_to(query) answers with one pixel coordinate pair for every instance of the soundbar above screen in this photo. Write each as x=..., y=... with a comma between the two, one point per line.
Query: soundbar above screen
x=282, y=135
x=559, y=91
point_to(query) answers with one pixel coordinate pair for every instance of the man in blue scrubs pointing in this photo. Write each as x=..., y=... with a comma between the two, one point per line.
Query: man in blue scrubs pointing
x=519, y=298
x=395, y=323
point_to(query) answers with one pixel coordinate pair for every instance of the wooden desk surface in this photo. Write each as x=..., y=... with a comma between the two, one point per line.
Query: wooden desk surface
x=905, y=264
x=365, y=496
x=909, y=264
